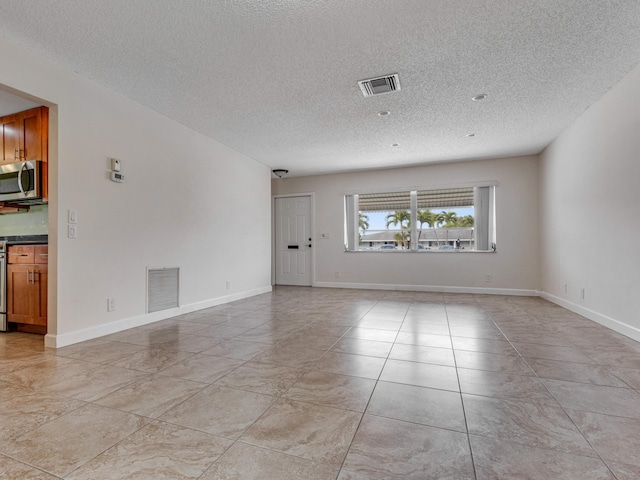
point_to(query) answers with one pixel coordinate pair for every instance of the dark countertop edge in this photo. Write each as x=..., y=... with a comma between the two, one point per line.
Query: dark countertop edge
x=25, y=239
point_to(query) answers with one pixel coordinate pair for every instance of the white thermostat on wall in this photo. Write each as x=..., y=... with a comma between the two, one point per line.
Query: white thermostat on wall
x=117, y=177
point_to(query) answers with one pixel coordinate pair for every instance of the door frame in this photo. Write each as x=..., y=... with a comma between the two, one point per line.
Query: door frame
x=312, y=224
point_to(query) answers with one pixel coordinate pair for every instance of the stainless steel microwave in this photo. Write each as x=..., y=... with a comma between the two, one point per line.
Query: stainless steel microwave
x=22, y=182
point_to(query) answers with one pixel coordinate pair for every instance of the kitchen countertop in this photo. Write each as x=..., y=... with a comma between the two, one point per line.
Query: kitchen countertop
x=25, y=239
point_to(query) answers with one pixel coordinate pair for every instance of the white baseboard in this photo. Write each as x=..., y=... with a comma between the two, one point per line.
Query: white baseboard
x=58, y=341
x=612, y=323
x=431, y=288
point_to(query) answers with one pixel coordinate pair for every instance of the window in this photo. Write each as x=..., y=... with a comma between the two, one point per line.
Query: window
x=444, y=220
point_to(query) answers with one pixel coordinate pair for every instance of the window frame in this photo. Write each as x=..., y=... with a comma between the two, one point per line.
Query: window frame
x=486, y=201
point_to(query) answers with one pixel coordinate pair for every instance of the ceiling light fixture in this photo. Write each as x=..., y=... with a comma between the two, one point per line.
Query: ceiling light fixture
x=384, y=113
x=280, y=172
x=480, y=96
x=395, y=144
x=471, y=134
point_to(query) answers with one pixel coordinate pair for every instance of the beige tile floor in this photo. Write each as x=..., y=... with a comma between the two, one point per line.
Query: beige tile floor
x=329, y=384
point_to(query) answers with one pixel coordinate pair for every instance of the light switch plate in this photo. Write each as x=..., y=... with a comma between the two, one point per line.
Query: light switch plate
x=73, y=216
x=73, y=230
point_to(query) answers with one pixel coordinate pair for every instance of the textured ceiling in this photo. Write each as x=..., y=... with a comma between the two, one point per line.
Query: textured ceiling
x=277, y=80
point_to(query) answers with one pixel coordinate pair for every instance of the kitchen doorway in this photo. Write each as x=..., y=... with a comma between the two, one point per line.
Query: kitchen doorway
x=32, y=265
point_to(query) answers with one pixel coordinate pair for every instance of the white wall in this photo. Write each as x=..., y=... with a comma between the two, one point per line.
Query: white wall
x=514, y=267
x=590, y=197
x=188, y=201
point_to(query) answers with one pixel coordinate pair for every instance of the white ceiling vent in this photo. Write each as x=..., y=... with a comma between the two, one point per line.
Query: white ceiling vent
x=376, y=86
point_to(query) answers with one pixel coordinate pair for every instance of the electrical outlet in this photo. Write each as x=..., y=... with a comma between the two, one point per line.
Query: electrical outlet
x=228, y=285
x=488, y=278
x=582, y=293
x=111, y=304
x=73, y=230
x=566, y=288
x=336, y=274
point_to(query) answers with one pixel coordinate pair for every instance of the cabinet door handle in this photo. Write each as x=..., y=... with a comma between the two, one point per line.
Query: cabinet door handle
x=16, y=154
x=20, y=254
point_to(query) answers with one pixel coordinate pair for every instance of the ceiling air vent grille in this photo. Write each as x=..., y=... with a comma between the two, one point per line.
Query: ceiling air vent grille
x=376, y=86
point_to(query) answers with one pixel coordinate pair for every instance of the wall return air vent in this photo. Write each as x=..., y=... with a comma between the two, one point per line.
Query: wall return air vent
x=163, y=288
x=379, y=85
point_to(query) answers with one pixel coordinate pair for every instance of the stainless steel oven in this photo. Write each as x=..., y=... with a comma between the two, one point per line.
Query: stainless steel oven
x=3, y=286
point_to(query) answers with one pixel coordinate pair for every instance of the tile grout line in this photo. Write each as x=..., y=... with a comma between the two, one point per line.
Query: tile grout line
x=464, y=411
x=371, y=395
x=278, y=397
x=558, y=402
x=569, y=417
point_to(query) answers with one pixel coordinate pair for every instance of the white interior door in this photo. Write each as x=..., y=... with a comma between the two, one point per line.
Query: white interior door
x=293, y=240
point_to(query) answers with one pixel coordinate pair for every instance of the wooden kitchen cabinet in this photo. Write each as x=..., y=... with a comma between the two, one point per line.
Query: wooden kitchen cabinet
x=25, y=136
x=27, y=284
x=21, y=254
x=41, y=254
x=10, y=139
